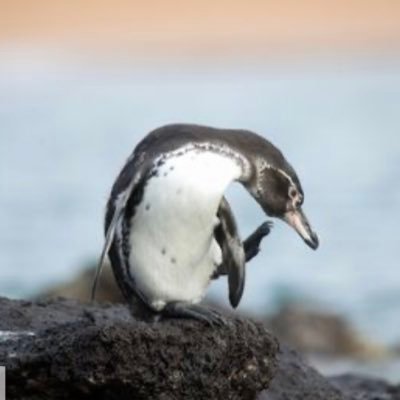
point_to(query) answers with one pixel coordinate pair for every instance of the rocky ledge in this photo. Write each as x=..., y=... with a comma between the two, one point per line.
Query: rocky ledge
x=62, y=349
x=296, y=380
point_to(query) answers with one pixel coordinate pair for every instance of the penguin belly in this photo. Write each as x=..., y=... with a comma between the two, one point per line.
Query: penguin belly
x=173, y=253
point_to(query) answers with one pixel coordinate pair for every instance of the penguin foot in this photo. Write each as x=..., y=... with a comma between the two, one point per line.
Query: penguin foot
x=178, y=309
x=252, y=243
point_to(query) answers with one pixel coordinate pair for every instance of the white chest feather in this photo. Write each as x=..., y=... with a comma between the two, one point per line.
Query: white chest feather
x=173, y=250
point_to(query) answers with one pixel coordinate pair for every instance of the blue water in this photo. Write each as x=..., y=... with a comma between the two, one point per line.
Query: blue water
x=66, y=129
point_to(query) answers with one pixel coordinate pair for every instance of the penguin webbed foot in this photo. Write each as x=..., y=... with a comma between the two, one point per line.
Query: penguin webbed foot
x=179, y=309
x=252, y=243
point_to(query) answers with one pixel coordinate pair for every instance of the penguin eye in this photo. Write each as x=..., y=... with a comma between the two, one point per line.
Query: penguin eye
x=292, y=193
x=296, y=197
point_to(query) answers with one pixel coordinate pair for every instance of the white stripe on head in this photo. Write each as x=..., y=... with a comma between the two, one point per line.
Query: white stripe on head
x=262, y=165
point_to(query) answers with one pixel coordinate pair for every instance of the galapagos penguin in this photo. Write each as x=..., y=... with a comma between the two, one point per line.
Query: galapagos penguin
x=169, y=229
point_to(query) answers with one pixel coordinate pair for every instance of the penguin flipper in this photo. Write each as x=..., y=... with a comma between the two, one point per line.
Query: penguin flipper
x=114, y=215
x=233, y=256
x=252, y=243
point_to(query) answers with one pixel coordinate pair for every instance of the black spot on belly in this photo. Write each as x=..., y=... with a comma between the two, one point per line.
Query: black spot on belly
x=163, y=251
x=165, y=174
x=153, y=173
x=173, y=260
x=171, y=168
x=147, y=207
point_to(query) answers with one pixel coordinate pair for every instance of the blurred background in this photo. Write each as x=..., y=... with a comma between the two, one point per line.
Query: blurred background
x=82, y=82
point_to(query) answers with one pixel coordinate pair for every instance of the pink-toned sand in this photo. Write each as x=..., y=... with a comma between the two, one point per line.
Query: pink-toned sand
x=187, y=27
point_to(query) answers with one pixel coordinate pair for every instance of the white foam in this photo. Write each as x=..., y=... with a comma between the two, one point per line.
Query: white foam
x=14, y=335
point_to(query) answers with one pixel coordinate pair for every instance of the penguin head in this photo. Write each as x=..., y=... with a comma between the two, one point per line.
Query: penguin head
x=278, y=191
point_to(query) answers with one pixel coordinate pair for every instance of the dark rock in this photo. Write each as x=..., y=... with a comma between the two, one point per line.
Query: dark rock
x=62, y=349
x=296, y=380
x=366, y=388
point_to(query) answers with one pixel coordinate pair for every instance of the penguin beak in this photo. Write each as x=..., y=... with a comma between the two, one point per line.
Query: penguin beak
x=298, y=221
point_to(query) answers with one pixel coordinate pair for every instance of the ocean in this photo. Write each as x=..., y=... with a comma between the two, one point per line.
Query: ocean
x=67, y=128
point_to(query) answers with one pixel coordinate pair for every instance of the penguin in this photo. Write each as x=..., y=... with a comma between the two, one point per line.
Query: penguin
x=169, y=230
